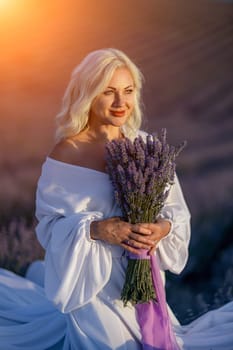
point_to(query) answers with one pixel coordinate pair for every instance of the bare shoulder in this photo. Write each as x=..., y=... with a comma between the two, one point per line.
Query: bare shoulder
x=79, y=151
x=65, y=151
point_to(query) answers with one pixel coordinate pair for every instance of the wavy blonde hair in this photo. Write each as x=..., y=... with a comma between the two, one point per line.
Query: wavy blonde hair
x=88, y=80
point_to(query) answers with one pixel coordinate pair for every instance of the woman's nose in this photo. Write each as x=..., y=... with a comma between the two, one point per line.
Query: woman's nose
x=118, y=100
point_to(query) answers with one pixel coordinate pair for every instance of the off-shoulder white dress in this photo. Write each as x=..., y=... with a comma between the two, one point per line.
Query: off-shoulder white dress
x=79, y=306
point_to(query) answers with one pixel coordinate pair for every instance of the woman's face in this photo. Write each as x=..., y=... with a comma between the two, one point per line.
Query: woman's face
x=116, y=103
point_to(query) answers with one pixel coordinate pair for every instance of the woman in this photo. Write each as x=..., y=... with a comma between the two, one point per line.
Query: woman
x=83, y=234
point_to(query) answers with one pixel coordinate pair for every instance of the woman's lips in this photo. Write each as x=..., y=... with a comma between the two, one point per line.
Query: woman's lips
x=118, y=113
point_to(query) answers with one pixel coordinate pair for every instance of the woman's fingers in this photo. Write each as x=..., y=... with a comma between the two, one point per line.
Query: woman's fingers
x=141, y=241
x=130, y=248
x=135, y=247
x=144, y=236
x=141, y=228
x=131, y=237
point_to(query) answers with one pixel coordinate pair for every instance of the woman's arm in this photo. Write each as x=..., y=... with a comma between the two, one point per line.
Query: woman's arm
x=71, y=255
x=173, y=248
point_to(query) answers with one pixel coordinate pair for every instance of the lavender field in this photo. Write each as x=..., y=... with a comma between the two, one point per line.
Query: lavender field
x=185, y=50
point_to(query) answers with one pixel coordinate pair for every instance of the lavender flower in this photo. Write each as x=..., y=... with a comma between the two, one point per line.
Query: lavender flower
x=18, y=245
x=141, y=174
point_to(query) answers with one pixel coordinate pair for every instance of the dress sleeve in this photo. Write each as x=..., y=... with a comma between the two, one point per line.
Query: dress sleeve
x=76, y=267
x=173, y=249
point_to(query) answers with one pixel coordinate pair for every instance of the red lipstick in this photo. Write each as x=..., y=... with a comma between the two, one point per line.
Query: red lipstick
x=118, y=113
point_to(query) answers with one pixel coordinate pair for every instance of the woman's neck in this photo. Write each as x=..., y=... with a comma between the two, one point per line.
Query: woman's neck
x=102, y=134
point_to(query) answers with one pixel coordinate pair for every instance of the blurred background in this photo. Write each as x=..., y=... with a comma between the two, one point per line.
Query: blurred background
x=185, y=50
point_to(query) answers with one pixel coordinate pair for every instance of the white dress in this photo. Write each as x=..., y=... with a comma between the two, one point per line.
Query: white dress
x=79, y=305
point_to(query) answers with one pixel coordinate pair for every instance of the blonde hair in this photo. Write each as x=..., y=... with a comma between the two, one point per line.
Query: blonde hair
x=88, y=80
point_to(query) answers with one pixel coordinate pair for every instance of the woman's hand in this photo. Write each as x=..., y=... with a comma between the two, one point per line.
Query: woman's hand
x=116, y=231
x=159, y=230
x=131, y=237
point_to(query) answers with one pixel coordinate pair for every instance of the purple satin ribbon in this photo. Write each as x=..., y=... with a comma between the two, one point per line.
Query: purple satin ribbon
x=153, y=318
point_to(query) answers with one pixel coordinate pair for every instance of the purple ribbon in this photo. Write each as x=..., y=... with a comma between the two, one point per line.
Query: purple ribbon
x=153, y=318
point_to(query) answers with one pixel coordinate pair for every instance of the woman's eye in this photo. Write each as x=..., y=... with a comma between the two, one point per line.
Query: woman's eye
x=108, y=92
x=129, y=91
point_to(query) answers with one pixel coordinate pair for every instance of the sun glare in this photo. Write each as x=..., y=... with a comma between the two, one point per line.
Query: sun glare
x=3, y=3
x=9, y=8
x=6, y=4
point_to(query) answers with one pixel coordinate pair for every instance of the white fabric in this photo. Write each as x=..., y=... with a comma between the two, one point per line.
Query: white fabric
x=79, y=306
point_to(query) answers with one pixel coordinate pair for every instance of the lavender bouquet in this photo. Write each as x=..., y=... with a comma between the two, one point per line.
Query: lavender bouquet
x=141, y=173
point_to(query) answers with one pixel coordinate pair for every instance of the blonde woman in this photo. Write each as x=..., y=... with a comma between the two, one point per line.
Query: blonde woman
x=80, y=226
x=102, y=102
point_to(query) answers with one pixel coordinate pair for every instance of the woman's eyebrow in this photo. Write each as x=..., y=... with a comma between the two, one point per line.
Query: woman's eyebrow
x=127, y=87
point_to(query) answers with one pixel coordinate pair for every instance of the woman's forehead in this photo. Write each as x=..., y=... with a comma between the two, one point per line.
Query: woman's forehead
x=121, y=77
